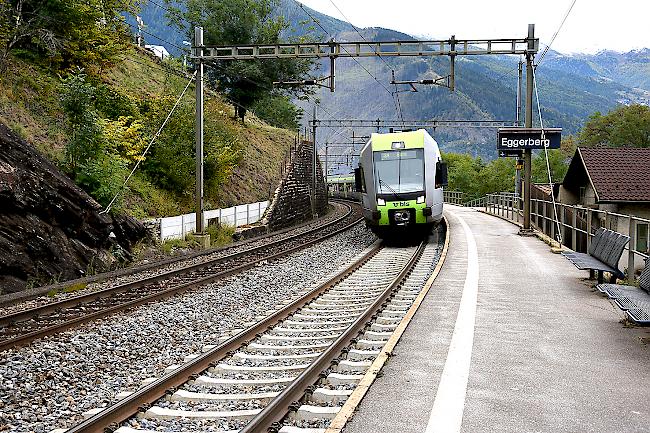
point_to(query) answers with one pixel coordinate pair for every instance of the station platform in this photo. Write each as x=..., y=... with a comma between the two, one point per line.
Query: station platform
x=510, y=338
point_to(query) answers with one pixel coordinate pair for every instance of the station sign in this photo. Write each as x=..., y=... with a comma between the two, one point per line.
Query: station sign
x=516, y=153
x=511, y=140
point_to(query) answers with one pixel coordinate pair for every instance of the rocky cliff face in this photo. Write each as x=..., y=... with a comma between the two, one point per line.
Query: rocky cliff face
x=50, y=229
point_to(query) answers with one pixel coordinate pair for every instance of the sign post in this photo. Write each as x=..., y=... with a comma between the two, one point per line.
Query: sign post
x=515, y=140
x=528, y=119
x=518, y=141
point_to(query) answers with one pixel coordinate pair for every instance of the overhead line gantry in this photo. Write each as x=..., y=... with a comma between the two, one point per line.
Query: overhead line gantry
x=333, y=50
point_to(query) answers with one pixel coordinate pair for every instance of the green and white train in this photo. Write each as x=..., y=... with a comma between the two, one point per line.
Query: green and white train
x=401, y=177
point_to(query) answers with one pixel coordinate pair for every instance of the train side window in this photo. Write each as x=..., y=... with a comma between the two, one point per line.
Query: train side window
x=359, y=180
x=441, y=174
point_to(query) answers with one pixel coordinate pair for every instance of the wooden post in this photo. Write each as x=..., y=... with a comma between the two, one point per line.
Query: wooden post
x=632, y=247
x=574, y=226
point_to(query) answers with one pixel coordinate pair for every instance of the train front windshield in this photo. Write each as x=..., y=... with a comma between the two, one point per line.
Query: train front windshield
x=399, y=171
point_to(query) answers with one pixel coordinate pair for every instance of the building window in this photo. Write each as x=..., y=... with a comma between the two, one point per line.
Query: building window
x=642, y=237
x=582, y=193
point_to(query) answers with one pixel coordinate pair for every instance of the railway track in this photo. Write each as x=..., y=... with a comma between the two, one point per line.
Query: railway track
x=21, y=327
x=290, y=372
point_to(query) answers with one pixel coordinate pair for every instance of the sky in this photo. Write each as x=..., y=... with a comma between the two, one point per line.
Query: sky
x=592, y=25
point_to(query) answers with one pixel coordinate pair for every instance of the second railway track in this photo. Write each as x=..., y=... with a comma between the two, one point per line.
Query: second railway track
x=290, y=372
x=21, y=327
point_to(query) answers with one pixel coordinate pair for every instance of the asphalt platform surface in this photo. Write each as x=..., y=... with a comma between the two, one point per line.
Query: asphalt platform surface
x=539, y=349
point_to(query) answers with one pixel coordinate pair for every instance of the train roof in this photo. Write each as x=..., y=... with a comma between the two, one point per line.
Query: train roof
x=411, y=139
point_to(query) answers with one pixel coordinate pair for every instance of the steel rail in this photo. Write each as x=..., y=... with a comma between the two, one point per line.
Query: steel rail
x=145, y=396
x=104, y=276
x=268, y=419
x=164, y=293
x=77, y=300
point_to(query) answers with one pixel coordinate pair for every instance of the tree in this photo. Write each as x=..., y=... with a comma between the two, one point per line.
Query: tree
x=623, y=126
x=66, y=33
x=463, y=173
x=242, y=22
x=497, y=176
x=557, y=161
x=279, y=112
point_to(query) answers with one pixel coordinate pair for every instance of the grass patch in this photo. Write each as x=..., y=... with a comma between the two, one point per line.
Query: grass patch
x=69, y=289
x=220, y=234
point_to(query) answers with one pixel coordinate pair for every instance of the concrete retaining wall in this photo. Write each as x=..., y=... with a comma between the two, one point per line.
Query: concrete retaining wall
x=178, y=226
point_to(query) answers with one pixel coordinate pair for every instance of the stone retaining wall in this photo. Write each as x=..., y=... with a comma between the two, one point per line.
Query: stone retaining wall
x=291, y=203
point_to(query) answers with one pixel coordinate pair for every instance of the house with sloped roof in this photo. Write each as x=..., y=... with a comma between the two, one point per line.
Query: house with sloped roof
x=615, y=180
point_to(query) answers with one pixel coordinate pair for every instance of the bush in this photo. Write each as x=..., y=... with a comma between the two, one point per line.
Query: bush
x=102, y=178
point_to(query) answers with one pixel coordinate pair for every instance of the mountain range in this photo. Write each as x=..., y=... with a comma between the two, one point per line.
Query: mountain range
x=571, y=87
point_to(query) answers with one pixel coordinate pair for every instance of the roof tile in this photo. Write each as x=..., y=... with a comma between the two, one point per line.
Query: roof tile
x=618, y=174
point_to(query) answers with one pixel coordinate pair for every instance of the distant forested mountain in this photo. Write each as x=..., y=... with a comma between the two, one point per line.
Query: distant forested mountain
x=571, y=87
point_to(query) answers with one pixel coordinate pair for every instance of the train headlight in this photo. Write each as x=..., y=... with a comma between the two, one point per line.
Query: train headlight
x=420, y=200
x=381, y=202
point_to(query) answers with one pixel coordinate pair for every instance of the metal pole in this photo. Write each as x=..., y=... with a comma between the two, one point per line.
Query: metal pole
x=519, y=81
x=452, y=64
x=518, y=121
x=313, y=163
x=326, y=173
x=332, y=66
x=529, y=124
x=198, y=43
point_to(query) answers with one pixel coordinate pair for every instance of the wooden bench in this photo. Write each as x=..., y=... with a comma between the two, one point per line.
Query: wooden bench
x=603, y=255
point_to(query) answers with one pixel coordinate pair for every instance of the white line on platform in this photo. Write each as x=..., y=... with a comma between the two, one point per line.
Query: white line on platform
x=447, y=412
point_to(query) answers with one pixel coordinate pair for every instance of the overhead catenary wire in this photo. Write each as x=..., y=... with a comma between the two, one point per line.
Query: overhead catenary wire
x=146, y=150
x=171, y=12
x=353, y=58
x=548, y=47
x=158, y=37
x=390, y=65
x=548, y=166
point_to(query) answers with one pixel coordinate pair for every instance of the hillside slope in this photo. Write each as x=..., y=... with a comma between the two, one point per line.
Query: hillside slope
x=30, y=104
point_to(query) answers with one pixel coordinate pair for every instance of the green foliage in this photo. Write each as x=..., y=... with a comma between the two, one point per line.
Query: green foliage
x=463, y=173
x=65, y=33
x=84, y=128
x=102, y=177
x=558, y=165
x=623, y=126
x=242, y=22
x=496, y=176
x=279, y=112
x=220, y=234
x=171, y=162
x=475, y=178
x=112, y=104
x=92, y=151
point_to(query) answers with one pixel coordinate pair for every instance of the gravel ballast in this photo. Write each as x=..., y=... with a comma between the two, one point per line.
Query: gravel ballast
x=50, y=383
x=166, y=265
